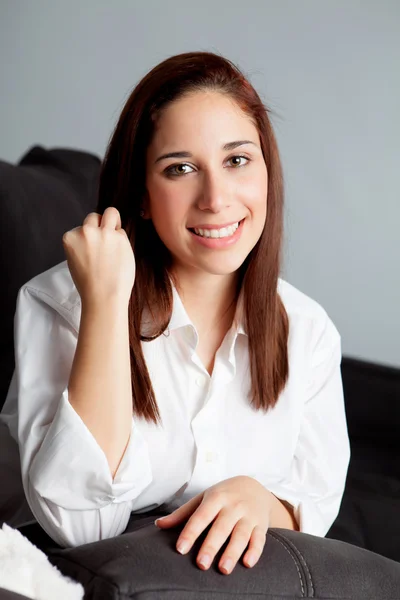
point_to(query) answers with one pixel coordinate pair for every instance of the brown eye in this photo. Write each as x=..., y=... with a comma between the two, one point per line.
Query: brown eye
x=236, y=161
x=176, y=170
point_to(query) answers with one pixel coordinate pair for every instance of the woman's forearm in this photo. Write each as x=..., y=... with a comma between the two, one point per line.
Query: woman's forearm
x=100, y=381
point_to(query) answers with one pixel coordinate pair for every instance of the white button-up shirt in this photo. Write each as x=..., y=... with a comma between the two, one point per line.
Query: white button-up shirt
x=299, y=450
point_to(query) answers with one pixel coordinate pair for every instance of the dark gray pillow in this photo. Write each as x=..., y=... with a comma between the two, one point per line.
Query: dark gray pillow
x=7, y=595
x=143, y=563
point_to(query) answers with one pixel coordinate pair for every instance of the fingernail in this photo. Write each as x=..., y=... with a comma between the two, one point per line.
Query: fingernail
x=205, y=561
x=181, y=547
x=227, y=565
x=251, y=560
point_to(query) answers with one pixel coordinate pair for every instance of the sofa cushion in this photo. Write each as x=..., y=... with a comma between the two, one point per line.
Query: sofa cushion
x=45, y=195
x=368, y=515
x=372, y=393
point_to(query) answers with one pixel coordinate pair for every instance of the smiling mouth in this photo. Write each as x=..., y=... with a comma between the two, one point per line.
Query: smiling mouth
x=216, y=233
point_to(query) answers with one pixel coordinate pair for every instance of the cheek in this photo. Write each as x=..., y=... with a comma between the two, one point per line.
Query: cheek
x=167, y=209
x=255, y=195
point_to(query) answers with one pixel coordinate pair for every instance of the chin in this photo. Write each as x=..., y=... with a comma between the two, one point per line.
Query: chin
x=226, y=267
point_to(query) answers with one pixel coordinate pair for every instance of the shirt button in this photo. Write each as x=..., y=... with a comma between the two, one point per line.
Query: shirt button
x=201, y=380
x=210, y=456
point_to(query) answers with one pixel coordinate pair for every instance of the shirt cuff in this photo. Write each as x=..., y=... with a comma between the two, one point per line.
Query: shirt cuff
x=71, y=470
x=306, y=513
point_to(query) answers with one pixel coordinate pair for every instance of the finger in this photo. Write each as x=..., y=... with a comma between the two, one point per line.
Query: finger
x=180, y=514
x=67, y=235
x=222, y=528
x=256, y=547
x=238, y=542
x=92, y=218
x=111, y=218
x=197, y=523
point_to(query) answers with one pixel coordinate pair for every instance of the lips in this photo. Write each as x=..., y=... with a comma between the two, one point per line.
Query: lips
x=216, y=231
x=215, y=242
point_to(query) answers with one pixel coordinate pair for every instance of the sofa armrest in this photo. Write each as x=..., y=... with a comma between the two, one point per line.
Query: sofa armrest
x=143, y=563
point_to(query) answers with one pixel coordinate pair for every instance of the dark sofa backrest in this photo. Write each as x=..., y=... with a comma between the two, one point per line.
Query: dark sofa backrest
x=45, y=195
x=372, y=395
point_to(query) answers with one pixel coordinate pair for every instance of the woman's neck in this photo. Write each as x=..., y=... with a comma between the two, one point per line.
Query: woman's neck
x=209, y=300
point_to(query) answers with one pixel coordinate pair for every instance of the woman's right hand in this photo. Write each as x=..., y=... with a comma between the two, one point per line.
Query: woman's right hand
x=100, y=258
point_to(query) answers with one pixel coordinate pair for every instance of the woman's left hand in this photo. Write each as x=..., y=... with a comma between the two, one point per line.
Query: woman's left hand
x=243, y=508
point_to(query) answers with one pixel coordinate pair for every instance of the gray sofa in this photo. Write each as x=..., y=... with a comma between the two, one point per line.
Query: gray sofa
x=51, y=191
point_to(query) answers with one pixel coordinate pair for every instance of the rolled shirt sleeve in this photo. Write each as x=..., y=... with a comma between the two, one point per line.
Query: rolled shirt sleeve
x=65, y=473
x=315, y=485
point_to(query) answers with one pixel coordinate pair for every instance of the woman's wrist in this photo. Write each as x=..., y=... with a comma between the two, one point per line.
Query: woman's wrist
x=282, y=515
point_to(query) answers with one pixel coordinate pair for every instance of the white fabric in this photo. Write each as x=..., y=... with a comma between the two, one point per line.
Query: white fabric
x=299, y=450
x=26, y=570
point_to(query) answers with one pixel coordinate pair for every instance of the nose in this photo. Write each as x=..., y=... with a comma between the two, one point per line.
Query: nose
x=214, y=193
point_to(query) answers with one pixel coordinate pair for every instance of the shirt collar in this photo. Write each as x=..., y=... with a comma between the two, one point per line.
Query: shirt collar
x=180, y=318
x=239, y=315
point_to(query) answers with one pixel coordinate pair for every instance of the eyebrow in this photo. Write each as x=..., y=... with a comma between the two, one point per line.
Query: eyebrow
x=186, y=154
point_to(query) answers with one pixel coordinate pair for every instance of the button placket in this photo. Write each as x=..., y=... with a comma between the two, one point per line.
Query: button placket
x=207, y=467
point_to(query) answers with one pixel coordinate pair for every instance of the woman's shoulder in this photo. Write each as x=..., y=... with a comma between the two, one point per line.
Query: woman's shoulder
x=297, y=302
x=55, y=287
x=306, y=315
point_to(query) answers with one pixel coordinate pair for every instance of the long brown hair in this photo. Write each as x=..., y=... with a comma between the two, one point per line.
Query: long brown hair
x=123, y=185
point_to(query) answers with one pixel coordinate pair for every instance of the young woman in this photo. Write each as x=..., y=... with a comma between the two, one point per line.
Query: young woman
x=165, y=362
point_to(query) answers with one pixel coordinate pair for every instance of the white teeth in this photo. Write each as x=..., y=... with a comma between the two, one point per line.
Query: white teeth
x=217, y=233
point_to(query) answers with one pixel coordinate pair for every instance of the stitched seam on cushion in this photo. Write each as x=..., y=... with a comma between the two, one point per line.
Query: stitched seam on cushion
x=139, y=594
x=206, y=594
x=303, y=561
x=294, y=560
x=352, y=598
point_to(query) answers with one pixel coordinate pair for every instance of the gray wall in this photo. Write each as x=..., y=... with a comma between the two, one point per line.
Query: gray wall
x=330, y=71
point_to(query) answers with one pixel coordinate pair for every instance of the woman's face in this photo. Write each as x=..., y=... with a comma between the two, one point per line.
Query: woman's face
x=205, y=175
